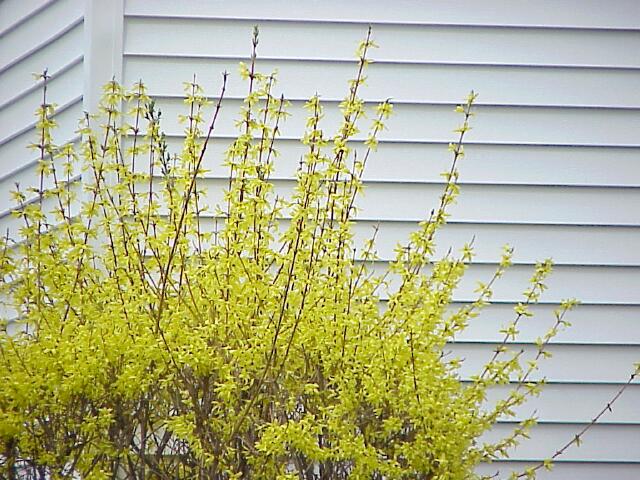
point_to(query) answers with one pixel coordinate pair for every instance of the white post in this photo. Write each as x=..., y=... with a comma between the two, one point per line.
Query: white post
x=103, y=38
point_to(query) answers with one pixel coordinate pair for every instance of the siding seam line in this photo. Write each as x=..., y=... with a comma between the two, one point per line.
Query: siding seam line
x=31, y=125
x=42, y=45
x=413, y=141
x=27, y=17
x=192, y=56
x=373, y=23
x=27, y=165
x=426, y=103
x=36, y=85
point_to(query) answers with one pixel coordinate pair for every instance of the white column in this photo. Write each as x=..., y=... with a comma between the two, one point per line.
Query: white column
x=103, y=38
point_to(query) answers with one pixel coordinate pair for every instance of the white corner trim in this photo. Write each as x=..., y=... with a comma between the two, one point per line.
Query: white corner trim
x=103, y=38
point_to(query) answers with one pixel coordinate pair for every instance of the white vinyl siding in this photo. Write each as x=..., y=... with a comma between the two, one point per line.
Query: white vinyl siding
x=34, y=36
x=552, y=165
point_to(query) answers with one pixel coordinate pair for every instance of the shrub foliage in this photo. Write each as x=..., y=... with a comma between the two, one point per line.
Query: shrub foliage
x=269, y=346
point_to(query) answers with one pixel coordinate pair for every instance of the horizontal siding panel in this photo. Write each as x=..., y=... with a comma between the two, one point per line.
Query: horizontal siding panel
x=567, y=245
x=507, y=204
x=429, y=44
x=591, y=285
x=56, y=56
x=590, y=324
x=420, y=83
x=14, y=12
x=603, y=443
x=485, y=203
x=567, y=470
x=27, y=177
x=11, y=225
x=424, y=162
x=411, y=122
x=570, y=363
x=39, y=30
x=14, y=153
x=61, y=90
x=576, y=403
x=573, y=13
x=601, y=285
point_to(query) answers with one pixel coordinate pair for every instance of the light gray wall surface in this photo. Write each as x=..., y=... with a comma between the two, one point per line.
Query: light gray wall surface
x=36, y=35
x=552, y=166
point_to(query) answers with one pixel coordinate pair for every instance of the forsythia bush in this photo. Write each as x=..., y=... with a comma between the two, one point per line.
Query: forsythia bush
x=269, y=347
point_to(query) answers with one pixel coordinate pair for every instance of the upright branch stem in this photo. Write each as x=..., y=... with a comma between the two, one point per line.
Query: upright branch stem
x=577, y=438
x=174, y=245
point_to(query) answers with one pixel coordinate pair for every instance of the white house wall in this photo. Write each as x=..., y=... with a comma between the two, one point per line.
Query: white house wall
x=34, y=36
x=552, y=164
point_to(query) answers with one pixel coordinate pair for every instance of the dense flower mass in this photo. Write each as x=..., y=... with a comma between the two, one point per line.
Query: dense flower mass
x=147, y=343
